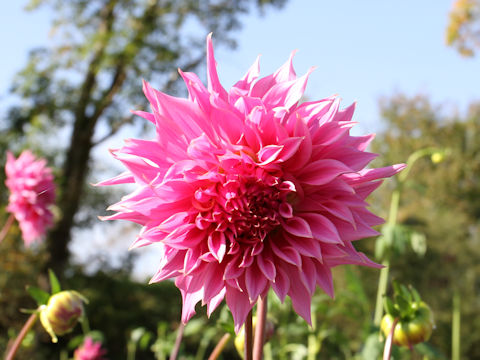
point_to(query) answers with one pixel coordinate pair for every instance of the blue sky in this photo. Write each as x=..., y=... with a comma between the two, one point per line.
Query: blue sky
x=363, y=49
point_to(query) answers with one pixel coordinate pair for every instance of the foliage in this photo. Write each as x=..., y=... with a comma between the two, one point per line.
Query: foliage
x=463, y=31
x=439, y=200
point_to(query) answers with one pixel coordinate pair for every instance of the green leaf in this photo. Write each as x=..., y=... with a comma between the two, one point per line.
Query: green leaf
x=40, y=296
x=54, y=283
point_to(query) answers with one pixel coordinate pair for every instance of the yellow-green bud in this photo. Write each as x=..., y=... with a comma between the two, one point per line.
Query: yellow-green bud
x=62, y=312
x=438, y=157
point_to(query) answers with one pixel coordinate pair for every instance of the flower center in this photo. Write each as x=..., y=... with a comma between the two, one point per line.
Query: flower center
x=244, y=206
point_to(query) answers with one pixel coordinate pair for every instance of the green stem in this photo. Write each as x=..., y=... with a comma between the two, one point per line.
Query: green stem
x=18, y=341
x=456, y=327
x=383, y=279
x=313, y=343
x=381, y=291
x=178, y=341
x=6, y=227
x=248, y=337
x=259, y=340
x=219, y=347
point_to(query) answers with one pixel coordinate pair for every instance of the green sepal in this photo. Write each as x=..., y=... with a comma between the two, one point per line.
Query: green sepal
x=40, y=296
x=54, y=283
x=390, y=307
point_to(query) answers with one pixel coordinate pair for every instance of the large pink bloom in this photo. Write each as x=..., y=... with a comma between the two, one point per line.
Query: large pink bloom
x=249, y=190
x=32, y=191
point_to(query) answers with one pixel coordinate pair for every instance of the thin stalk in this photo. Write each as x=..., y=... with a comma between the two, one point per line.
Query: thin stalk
x=18, y=341
x=259, y=340
x=6, y=227
x=219, y=347
x=178, y=341
x=381, y=291
x=248, y=337
x=387, y=350
x=313, y=346
x=456, y=327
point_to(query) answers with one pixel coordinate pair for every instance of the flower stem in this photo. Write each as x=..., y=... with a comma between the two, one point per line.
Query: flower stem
x=382, y=289
x=259, y=341
x=219, y=347
x=6, y=227
x=387, y=350
x=456, y=326
x=178, y=341
x=18, y=341
x=248, y=337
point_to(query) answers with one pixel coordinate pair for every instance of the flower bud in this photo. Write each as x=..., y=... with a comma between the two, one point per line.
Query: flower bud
x=62, y=313
x=409, y=332
x=438, y=157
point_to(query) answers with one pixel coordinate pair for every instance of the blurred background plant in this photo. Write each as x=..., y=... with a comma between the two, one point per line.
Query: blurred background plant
x=85, y=84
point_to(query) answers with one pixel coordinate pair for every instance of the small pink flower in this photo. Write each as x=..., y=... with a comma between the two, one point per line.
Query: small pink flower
x=32, y=191
x=90, y=350
x=247, y=190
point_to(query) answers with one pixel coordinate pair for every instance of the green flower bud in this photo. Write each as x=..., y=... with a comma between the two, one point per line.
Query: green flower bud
x=409, y=332
x=62, y=312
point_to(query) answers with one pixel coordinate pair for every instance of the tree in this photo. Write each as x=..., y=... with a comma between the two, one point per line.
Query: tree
x=86, y=83
x=463, y=31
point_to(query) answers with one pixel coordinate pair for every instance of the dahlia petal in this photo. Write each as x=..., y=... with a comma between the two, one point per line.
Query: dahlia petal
x=269, y=154
x=286, y=72
x=365, y=189
x=215, y=301
x=305, y=246
x=252, y=74
x=361, y=142
x=287, y=254
x=290, y=147
x=267, y=267
x=324, y=278
x=322, y=171
x=345, y=114
x=217, y=245
x=287, y=93
x=297, y=226
x=373, y=174
x=301, y=297
x=146, y=115
x=123, y=178
x=255, y=284
x=212, y=76
x=281, y=285
x=308, y=274
x=190, y=298
x=239, y=304
x=322, y=228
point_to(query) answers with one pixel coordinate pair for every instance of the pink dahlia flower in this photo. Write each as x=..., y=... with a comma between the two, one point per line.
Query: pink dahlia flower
x=247, y=190
x=32, y=191
x=90, y=350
